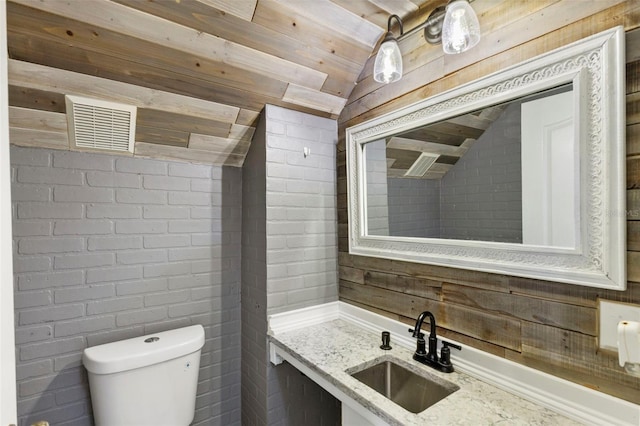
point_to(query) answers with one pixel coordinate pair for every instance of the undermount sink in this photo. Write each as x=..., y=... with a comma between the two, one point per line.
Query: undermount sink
x=411, y=391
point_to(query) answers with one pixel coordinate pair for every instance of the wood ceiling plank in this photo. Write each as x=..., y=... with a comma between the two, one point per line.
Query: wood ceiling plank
x=404, y=159
x=38, y=139
x=44, y=121
x=337, y=20
x=243, y=9
x=248, y=118
x=36, y=99
x=274, y=15
x=134, y=23
x=423, y=146
x=193, y=155
x=161, y=136
x=241, y=133
x=470, y=120
x=342, y=73
x=314, y=99
x=184, y=123
x=397, y=7
x=40, y=27
x=41, y=77
x=30, y=127
x=431, y=134
x=454, y=129
x=219, y=145
x=366, y=10
x=54, y=53
x=57, y=55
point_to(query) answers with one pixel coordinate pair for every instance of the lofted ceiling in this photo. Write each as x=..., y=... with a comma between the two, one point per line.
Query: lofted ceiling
x=199, y=71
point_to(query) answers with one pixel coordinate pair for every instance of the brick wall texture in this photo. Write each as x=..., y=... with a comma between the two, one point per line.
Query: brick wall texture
x=300, y=267
x=107, y=248
x=254, y=282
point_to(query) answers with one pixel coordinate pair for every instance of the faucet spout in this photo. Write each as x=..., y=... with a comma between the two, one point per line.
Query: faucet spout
x=419, y=321
x=431, y=356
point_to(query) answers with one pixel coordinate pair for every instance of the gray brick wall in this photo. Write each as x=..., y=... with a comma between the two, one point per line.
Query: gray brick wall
x=254, y=279
x=302, y=252
x=377, y=188
x=107, y=248
x=481, y=196
x=302, y=245
x=414, y=207
x=296, y=223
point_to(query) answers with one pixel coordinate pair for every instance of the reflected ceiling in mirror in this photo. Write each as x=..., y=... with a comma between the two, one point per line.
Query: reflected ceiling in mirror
x=504, y=173
x=562, y=195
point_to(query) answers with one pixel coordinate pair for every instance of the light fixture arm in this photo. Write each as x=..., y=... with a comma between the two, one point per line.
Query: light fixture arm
x=435, y=18
x=432, y=20
x=397, y=18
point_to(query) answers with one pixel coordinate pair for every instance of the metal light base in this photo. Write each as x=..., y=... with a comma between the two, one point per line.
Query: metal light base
x=433, y=30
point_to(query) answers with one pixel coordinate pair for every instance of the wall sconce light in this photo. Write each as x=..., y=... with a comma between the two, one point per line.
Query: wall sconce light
x=455, y=25
x=388, y=66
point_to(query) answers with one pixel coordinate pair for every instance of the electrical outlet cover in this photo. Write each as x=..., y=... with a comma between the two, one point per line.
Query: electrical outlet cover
x=611, y=313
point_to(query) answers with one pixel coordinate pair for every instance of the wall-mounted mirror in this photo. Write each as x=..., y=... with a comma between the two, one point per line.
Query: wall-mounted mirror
x=521, y=172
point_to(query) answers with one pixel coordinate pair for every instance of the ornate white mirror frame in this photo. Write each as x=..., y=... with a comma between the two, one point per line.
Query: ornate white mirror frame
x=595, y=68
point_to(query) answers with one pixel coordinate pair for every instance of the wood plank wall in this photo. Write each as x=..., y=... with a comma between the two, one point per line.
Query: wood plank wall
x=549, y=326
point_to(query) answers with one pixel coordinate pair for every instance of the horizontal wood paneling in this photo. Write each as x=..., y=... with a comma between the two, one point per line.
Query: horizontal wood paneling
x=36, y=99
x=546, y=325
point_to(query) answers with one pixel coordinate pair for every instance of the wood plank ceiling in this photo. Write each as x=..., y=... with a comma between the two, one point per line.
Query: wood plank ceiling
x=199, y=71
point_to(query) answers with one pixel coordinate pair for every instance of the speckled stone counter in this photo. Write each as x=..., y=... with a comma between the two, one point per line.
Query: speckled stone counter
x=334, y=349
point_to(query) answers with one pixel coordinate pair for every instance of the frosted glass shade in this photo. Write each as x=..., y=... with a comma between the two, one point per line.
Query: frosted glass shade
x=388, y=65
x=461, y=29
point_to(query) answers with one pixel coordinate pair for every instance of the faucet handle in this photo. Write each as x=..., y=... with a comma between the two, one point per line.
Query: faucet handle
x=446, y=344
x=419, y=335
x=445, y=355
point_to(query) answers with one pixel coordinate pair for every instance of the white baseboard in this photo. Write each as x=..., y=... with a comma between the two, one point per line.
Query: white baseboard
x=572, y=400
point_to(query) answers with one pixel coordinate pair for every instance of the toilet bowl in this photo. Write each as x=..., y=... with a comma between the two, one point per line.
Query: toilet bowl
x=145, y=381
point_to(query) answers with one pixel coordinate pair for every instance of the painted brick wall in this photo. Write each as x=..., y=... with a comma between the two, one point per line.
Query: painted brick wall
x=254, y=279
x=302, y=249
x=108, y=248
x=300, y=268
x=414, y=207
x=377, y=188
x=302, y=253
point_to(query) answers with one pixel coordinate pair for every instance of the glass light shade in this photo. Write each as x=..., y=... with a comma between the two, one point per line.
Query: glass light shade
x=461, y=29
x=388, y=65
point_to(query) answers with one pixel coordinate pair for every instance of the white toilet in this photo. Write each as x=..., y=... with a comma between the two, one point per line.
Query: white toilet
x=148, y=380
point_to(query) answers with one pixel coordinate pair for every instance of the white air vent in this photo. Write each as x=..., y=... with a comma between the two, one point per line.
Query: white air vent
x=421, y=165
x=100, y=125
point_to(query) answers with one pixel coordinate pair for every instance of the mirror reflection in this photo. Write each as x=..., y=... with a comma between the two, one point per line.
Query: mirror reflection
x=506, y=173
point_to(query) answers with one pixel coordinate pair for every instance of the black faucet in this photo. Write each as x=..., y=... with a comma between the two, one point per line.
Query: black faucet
x=430, y=358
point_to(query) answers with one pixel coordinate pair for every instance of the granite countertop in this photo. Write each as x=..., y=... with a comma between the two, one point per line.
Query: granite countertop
x=333, y=349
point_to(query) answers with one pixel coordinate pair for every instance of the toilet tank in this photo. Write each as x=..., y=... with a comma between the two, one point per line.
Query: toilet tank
x=148, y=380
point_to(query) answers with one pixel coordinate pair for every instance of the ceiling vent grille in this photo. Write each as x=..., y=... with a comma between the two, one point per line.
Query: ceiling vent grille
x=100, y=125
x=422, y=164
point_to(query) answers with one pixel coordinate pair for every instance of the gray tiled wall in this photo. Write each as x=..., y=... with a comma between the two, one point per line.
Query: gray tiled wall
x=299, y=231
x=108, y=248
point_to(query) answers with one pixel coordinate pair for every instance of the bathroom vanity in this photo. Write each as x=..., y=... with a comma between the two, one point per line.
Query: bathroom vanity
x=329, y=343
